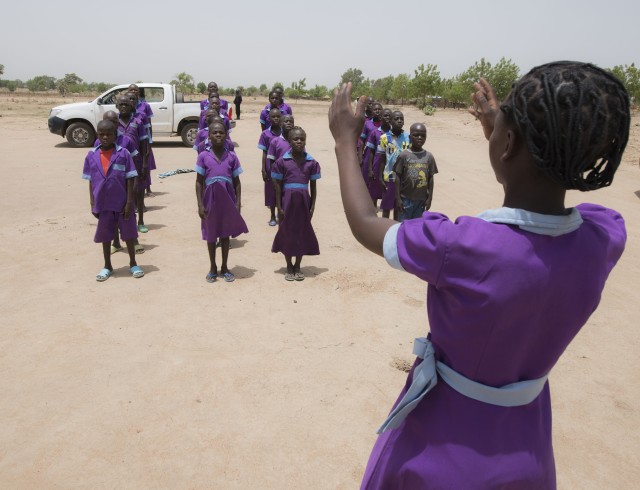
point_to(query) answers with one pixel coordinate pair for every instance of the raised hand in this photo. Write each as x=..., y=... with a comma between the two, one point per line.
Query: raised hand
x=345, y=125
x=485, y=105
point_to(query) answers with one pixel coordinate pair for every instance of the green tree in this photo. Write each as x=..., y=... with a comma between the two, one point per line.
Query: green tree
x=250, y=90
x=426, y=83
x=263, y=89
x=70, y=83
x=202, y=88
x=502, y=77
x=184, y=83
x=355, y=76
x=400, y=87
x=629, y=75
x=1, y=70
x=318, y=92
x=454, y=91
x=41, y=83
x=381, y=89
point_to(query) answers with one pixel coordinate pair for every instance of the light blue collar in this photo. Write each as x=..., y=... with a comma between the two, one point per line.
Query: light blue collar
x=288, y=156
x=542, y=224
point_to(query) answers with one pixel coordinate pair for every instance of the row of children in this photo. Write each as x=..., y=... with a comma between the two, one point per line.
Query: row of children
x=288, y=173
x=395, y=166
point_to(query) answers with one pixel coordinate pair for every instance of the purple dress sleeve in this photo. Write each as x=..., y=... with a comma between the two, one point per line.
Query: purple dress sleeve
x=277, y=169
x=315, y=171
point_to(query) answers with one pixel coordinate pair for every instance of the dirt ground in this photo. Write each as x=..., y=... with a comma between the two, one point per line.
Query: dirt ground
x=170, y=382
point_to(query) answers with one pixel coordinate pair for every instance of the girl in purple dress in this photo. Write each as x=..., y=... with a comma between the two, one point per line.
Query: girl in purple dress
x=218, y=195
x=273, y=131
x=292, y=175
x=371, y=160
x=507, y=289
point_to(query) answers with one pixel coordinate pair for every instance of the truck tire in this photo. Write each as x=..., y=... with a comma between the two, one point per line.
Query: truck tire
x=80, y=134
x=189, y=133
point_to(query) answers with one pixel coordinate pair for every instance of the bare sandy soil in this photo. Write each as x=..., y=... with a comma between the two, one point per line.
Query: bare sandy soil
x=170, y=382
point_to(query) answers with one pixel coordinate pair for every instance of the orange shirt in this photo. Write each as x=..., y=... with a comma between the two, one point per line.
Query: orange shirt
x=105, y=159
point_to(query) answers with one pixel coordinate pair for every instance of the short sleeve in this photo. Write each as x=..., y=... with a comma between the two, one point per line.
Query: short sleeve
x=263, y=142
x=277, y=169
x=236, y=168
x=315, y=171
x=201, y=166
x=86, y=168
x=130, y=168
x=398, y=167
x=432, y=164
x=419, y=246
x=382, y=144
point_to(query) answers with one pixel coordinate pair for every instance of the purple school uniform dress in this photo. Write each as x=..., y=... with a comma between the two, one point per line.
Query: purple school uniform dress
x=295, y=234
x=264, y=143
x=375, y=189
x=145, y=111
x=219, y=198
x=136, y=132
x=507, y=291
x=110, y=193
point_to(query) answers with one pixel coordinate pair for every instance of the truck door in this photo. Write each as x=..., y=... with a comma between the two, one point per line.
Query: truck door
x=161, y=102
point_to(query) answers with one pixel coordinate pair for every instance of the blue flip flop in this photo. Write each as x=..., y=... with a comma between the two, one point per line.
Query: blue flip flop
x=136, y=271
x=211, y=277
x=228, y=277
x=103, y=275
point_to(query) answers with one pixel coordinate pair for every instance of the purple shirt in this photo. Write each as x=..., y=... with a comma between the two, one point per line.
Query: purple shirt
x=134, y=129
x=289, y=172
x=213, y=169
x=202, y=141
x=264, y=115
x=265, y=139
x=110, y=190
x=507, y=291
x=278, y=146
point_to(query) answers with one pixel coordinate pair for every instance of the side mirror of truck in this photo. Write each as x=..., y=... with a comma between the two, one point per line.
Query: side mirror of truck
x=99, y=100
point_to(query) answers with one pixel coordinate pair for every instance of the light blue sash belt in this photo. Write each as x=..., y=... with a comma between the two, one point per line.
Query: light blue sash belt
x=295, y=186
x=211, y=180
x=425, y=377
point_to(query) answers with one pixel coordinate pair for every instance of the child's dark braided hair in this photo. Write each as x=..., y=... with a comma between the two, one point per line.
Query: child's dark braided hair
x=575, y=119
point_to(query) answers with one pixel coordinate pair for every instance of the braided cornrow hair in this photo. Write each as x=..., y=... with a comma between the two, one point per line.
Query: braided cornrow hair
x=575, y=119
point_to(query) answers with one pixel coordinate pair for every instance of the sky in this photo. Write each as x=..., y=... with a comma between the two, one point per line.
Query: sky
x=246, y=42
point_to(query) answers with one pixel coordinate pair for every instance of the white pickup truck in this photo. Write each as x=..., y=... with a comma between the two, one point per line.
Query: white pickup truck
x=172, y=116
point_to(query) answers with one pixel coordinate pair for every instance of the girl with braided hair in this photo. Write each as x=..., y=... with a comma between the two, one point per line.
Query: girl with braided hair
x=507, y=289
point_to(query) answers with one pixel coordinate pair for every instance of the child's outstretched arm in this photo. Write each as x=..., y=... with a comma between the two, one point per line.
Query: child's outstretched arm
x=346, y=128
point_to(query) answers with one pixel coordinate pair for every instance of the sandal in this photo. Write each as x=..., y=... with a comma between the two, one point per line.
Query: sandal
x=228, y=277
x=273, y=222
x=103, y=275
x=139, y=249
x=136, y=271
x=298, y=276
x=143, y=229
x=289, y=276
x=115, y=249
x=211, y=277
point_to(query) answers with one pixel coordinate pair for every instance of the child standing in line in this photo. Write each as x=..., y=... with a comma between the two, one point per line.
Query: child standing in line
x=144, y=109
x=212, y=88
x=214, y=104
x=202, y=138
x=125, y=142
x=280, y=145
x=132, y=126
x=282, y=105
x=370, y=125
x=414, y=169
x=111, y=173
x=371, y=162
x=508, y=289
x=293, y=175
x=218, y=194
x=274, y=131
x=391, y=144
x=274, y=103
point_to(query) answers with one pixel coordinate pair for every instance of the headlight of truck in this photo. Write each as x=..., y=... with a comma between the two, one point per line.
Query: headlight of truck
x=55, y=112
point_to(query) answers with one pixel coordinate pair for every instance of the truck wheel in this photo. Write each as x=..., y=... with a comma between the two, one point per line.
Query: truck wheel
x=189, y=133
x=80, y=134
